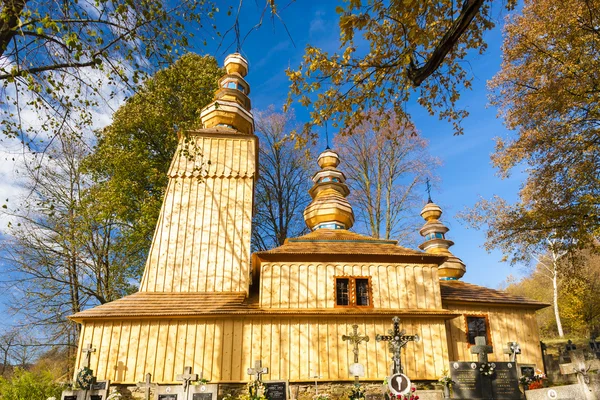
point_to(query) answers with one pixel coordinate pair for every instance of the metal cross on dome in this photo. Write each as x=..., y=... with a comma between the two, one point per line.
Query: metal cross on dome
x=398, y=339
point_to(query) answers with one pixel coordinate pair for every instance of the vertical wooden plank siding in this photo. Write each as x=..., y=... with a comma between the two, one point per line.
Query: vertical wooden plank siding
x=222, y=349
x=395, y=286
x=506, y=324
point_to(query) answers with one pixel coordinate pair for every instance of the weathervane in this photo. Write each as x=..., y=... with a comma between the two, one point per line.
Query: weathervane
x=428, y=191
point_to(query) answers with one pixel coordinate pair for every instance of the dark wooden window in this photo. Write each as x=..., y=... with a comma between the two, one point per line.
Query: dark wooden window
x=353, y=291
x=477, y=326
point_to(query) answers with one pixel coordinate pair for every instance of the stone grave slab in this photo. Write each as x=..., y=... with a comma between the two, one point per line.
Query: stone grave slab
x=505, y=382
x=99, y=390
x=276, y=390
x=203, y=392
x=526, y=370
x=468, y=382
x=567, y=392
x=73, y=395
x=171, y=392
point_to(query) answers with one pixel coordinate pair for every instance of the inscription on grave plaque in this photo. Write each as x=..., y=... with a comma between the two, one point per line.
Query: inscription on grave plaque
x=99, y=385
x=167, y=397
x=505, y=383
x=70, y=397
x=467, y=380
x=276, y=390
x=95, y=397
x=202, y=396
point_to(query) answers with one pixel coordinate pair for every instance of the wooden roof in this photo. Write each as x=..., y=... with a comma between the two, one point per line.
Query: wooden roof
x=463, y=292
x=178, y=305
x=341, y=242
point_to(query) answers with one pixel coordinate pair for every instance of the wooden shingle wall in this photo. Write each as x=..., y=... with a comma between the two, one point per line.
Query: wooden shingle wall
x=293, y=348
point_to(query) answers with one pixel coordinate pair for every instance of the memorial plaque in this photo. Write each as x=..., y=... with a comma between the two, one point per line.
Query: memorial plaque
x=70, y=397
x=100, y=385
x=276, y=390
x=526, y=370
x=172, y=396
x=468, y=382
x=73, y=395
x=505, y=382
x=96, y=397
x=202, y=396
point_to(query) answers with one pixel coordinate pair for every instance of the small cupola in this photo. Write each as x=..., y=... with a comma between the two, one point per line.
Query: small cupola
x=435, y=242
x=329, y=208
x=231, y=107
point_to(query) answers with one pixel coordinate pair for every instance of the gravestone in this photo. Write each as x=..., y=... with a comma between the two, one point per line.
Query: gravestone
x=567, y=392
x=147, y=385
x=595, y=347
x=276, y=390
x=171, y=392
x=357, y=370
x=505, y=382
x=482, y=349
x=527, y=370
x=99, y=390
x=397, y=339
x=582, y=368
x=73, y=395
x=467, y=379
x=203, y=392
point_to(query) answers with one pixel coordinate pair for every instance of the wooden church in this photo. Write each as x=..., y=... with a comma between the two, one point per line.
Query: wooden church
x=205, y=301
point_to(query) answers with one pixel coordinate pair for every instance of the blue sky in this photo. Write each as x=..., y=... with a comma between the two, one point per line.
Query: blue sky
x=466, y=173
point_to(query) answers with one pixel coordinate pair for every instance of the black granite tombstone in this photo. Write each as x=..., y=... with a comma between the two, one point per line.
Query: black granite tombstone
x=505, y=382
x=276, y=390
x=96, y=397
x=202, y=396
x=468, y=382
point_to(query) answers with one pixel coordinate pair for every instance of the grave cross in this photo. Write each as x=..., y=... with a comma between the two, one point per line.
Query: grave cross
x=88, y=354
x=398, y=339
x=355, y=339
x=481, y=349
x=258, y=370
x=187, y=377
x=146, y=385
x=512, y=349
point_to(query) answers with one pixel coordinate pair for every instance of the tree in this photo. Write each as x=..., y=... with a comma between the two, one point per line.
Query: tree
x=548, y=91
x=62, y=252
x=383, y=169
x=283, y=181
x=62, y=59
x=414, y=49
x=133, y=154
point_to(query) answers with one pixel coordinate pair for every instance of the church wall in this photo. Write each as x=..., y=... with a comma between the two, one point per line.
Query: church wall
x=312, y=285
x=296, y=349
x=507, y=324
x=202, y=239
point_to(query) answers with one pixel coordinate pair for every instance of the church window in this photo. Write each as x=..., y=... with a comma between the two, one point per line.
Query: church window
x=353, y=291
x=477, y=326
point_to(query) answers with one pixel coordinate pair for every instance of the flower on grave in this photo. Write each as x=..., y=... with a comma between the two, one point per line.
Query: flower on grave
x=321, y=396
x=535, y=385
x=356, y=393
x=487, y=369
x=85, y=378
x=445, y=379
x=255, y=391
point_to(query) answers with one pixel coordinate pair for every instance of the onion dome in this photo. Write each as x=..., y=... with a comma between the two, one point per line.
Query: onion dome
x=436, y=243
x=231, y=106
x=329, y=208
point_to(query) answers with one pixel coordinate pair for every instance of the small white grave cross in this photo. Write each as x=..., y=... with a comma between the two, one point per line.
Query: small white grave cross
x=398, y=339
x=258, y=370
x=512, y=349
x=88, y=354
x=147, y=385
x=187, y=377
x=481, y=349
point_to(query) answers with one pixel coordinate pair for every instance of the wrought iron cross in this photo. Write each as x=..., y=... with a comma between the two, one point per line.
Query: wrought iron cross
x=355, y=339
x=258, y=370
x=187, y=377
x=481, y=349
x=88, y=354
x=146, y=385
x=398, y=339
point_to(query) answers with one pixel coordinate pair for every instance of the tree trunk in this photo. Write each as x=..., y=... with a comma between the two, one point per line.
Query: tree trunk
x=555, y=300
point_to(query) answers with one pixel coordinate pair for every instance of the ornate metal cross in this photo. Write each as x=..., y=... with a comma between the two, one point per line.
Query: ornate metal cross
x=88, y=354
x=398, y=339
x=481, y=349
x=355, y=339
x=147, y=385
x=512, y=349
x=258, y=370
x=187, y=377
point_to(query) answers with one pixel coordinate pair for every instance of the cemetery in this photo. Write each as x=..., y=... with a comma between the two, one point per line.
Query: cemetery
x=328, y=315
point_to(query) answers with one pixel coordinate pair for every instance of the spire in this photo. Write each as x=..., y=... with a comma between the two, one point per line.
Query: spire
x=231, y=106
x=329, y=208
x=436, y=243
